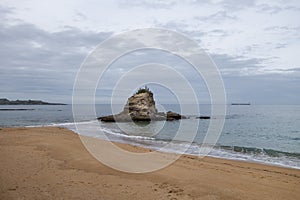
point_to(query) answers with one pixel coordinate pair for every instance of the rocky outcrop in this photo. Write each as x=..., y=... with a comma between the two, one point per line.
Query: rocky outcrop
x=174, y=116
x=141, y=107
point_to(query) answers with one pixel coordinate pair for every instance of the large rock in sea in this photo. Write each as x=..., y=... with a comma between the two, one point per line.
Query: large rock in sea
x=141, y=107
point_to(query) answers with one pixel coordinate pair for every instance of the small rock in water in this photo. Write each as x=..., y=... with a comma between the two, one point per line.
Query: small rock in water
x=141, y=107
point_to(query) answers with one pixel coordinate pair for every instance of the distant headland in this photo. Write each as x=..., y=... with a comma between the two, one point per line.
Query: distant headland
x=5, y=101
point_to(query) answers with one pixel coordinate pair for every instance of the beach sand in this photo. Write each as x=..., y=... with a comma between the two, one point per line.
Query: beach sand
x=52, y=163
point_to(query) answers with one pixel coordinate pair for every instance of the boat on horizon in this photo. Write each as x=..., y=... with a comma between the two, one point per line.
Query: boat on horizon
x=240, y=104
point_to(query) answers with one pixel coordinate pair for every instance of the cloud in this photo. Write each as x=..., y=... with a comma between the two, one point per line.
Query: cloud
x=254, y=43
x=233, y=5
x=4, y=11
x=263, y=89
x=25, y=45
x=218, y=17
x=295, y=71
x=237, y=65
x=274, y=9
x=36, y=61
x=152, y=4
x=80, y=16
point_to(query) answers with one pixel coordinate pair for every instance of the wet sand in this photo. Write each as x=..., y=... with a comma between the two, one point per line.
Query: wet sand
x=52, y=163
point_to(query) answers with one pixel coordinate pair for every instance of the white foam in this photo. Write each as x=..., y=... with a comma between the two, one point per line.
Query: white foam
x=283, y=161
x=176, y=147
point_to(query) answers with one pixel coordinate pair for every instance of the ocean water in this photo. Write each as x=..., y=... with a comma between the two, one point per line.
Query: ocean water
x=267, y=134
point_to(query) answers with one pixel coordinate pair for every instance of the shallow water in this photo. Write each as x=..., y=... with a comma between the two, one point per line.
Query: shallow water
x=261, y=133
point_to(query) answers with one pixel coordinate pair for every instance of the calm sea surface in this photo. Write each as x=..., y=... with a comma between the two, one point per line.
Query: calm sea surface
x=259, y=133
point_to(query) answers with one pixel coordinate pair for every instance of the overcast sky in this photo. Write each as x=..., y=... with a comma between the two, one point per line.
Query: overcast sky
x=255, y=44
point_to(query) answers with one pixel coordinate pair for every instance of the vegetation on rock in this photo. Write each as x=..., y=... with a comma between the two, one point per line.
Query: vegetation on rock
x=143, y=90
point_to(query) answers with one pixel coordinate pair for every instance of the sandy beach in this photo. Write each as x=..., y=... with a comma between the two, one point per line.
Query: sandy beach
x=52, y=163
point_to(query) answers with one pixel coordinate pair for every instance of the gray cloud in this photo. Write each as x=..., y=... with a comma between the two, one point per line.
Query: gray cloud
x=34, y=61
x=296, y=70
x=4, y=12
x=235, y=64
x=263, y=89
x=80, y=16
x=25, y=45
x=234, y=5
x=275, y=9
x=270, y=7
x=152, y=4
x=39, y=63
x=283, y=28
x=218, y=17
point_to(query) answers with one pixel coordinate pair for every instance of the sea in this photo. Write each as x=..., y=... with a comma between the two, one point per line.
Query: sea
x=268, y=134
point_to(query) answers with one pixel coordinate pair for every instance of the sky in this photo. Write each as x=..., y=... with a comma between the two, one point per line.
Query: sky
x=255, y=44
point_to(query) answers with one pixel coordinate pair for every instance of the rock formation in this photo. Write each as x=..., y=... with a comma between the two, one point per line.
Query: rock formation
x=141, y=107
